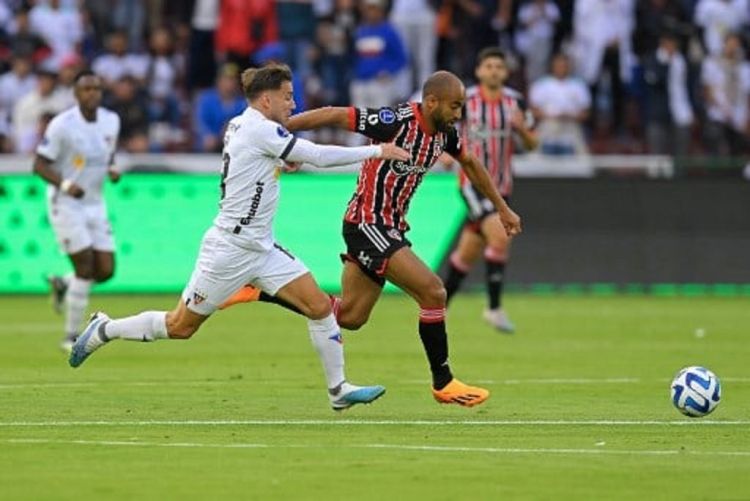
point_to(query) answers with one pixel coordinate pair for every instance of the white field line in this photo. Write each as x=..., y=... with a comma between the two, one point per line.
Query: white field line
x=418, y=448
x=540, y=381
x=356, y=422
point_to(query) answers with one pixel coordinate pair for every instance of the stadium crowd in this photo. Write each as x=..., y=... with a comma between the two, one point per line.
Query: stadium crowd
x=605, y=76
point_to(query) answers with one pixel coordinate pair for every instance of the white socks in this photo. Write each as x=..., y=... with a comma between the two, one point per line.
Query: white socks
x=77, y=300
x=146, y=326
x=326, y=337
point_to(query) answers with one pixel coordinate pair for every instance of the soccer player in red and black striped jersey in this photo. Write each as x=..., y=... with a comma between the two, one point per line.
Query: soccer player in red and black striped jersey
x=375, y=223
x=493, y=114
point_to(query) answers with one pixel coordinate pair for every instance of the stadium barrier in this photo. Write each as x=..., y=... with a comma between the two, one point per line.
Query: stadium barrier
x=604, y=235
x=159, y=220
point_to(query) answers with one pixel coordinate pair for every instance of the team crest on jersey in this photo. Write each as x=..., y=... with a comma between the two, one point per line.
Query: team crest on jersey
x=387, y=116
x=281, y=131
x=198, y=297
x=78, y=161
x=394, y=234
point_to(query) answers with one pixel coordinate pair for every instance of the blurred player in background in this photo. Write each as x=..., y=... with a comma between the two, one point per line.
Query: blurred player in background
x=493, y=114
x=240, y=248
x=375, y=221
x=75, y=155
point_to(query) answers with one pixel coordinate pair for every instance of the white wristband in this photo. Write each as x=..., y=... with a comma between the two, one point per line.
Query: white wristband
x=65, y=185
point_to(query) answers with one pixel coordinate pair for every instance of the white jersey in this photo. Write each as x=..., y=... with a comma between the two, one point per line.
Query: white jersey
x=254, y=148
x=80, y=151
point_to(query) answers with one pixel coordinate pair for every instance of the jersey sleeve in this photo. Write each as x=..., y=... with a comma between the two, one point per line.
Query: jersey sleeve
x=52, y=141
x=453, y=144
x=274, y=140
x=378, y=124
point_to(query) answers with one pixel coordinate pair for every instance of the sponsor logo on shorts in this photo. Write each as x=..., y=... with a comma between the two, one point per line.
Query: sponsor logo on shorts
x=198, y=297
x=394, y=234
x=372, y=119
x=364, y=258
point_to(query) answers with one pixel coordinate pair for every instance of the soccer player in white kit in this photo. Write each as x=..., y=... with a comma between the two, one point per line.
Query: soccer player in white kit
x=240, y=248
x=75, y=156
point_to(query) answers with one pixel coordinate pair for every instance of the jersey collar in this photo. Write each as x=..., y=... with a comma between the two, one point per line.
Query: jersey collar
x=420, y=119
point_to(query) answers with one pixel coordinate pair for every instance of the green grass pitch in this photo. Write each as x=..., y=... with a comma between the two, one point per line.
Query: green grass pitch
x=579, y=408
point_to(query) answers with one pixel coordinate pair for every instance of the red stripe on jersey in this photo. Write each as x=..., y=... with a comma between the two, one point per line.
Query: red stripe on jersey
x=352, y=118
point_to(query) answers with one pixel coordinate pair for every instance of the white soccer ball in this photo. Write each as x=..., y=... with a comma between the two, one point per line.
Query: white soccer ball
x=696, y=391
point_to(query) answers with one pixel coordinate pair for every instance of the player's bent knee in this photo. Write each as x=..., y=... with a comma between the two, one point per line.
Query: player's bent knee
x=350, y=321
x=103, y=275
x=177, y=328
x=181, y=331
x=318, y=309
x=434, y=294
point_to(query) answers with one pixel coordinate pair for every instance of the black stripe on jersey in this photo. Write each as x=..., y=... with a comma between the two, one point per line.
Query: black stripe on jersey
x=399, y=186
x=288, y=148
x=382, y=175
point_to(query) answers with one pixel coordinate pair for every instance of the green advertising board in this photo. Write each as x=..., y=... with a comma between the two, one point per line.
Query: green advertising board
x=159, y=220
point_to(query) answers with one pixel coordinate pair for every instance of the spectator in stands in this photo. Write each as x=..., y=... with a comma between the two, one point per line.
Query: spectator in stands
x=61, y=29
x=16, y=83
x=535, y=35
x=669, y=114
x=561, y=103
x=297, y=31
x=655, y=17
x=129, y=16
x=131, y=107
x=276, y=52
x=164, y=71
x=718, y=18
x=245, y=26
x=215, y=107
x=70, y=66
x=602, y=45
x=477, y=24
x=415, y=22
x=379, y=57
x=201, y=62
x=26, y=43
x=726, y=83
x=119, y=62
x=333, y=59
x=45, y=98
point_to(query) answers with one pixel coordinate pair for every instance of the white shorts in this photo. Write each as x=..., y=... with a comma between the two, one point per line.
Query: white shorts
x=80, y=226
x=223, y=268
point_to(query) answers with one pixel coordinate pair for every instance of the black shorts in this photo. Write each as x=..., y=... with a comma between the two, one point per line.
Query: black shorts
x=370, y=246
x=478, y=206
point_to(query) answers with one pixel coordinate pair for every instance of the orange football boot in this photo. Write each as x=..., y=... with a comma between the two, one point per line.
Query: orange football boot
x=247, y=294
x=459, y=393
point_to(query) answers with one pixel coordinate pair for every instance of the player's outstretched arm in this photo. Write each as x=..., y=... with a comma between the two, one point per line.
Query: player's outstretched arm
x=478, y=176
x=332, y=156
x=328, y=116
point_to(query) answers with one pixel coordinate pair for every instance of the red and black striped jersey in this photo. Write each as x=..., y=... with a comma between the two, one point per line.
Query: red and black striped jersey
x=385, y=187
x=488, y=135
